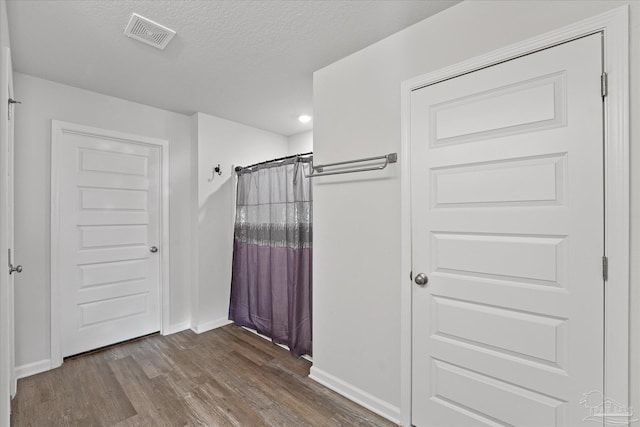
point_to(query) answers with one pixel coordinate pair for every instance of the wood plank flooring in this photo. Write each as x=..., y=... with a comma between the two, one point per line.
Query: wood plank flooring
x=224, y=377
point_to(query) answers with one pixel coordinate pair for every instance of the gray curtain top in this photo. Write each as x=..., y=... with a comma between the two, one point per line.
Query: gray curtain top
x=274, y=206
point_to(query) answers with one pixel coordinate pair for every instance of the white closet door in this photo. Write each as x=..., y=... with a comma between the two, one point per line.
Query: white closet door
x=109, y=207
x=507, y=223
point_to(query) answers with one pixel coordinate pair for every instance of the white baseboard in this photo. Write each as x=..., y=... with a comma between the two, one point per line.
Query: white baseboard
x=178, y=327
x=213, y=324
x=362, y=398
x=33, y=368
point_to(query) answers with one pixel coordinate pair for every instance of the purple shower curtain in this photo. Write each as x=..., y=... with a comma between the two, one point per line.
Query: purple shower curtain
x=271, y=279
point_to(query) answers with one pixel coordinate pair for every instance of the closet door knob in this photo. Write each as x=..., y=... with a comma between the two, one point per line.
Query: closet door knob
x=153, y=249
x=421, y=279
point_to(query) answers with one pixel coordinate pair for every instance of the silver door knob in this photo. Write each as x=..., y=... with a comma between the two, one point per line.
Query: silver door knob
x=153, y=249
x=16, y=269
x=421, y=279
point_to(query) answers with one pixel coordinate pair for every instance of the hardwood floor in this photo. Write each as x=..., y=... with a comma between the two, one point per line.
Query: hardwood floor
x=225, y=377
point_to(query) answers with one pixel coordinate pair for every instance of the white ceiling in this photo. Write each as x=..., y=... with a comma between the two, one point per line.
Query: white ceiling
x=247, y=61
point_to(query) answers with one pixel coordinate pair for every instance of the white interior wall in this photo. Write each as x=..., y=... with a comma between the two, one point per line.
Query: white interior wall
x=4, y=26
x=229, y=144
x=357, y=218
x=194, y=225
x=301, y=142
x=42, y=101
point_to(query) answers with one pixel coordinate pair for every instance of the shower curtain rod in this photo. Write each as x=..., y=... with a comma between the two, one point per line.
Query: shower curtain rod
x=240, y=168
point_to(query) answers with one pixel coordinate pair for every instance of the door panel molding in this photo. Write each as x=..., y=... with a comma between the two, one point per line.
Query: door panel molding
x=58, y=129
x=615, y=28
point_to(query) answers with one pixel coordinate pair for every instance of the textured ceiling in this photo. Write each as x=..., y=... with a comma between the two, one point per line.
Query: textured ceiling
x=247, y=61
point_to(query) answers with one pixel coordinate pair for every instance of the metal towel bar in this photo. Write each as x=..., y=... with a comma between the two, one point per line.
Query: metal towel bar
x=319, y=169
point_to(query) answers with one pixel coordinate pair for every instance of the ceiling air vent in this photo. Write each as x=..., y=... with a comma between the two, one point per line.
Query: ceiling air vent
x=149, y=32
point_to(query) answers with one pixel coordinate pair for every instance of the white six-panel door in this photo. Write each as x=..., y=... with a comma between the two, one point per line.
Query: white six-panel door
x=109, y=223
x=507, y=224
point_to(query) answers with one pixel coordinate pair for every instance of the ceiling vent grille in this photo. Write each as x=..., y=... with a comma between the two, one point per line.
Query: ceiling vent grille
x=149, y=32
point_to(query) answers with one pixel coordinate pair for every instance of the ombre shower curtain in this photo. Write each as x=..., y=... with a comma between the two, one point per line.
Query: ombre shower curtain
x=271, y=279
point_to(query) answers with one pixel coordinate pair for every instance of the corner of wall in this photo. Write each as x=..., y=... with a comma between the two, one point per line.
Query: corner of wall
x=208, y=326
x=178, y=327
x=33, y=368
x=355, y=394
x=300, y=142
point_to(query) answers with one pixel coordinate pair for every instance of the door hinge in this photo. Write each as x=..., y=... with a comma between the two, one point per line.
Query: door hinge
x=604, y=84
x=605, y=268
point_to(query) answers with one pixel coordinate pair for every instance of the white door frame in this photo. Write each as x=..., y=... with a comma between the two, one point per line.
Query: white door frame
x=7, y=355
x=614, y=25
x=12, y=133
x=58, y=128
